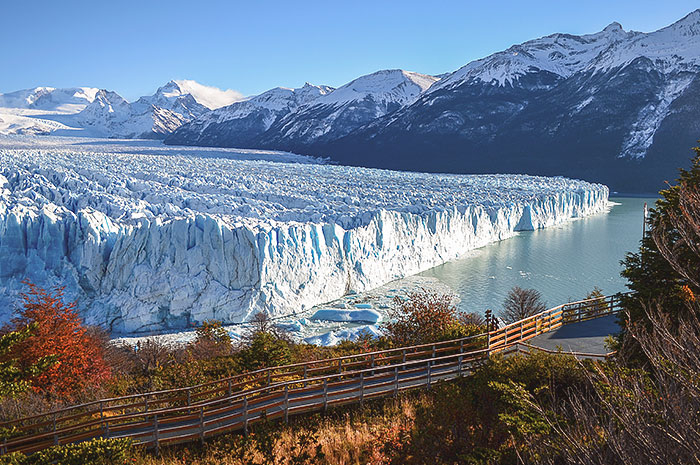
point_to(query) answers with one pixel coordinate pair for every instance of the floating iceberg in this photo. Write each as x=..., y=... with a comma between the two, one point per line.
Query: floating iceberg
x=360, y=316
x=147, y=237
x=332, y=338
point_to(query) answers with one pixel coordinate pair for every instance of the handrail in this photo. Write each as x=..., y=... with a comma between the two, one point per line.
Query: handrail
x=309, y=364
x=66, y=428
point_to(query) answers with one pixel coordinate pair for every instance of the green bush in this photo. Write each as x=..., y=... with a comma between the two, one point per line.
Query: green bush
x=95, y=452
x=265, y=350
x=479, y=419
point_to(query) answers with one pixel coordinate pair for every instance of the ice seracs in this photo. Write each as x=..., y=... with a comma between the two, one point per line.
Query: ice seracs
x=149, y=238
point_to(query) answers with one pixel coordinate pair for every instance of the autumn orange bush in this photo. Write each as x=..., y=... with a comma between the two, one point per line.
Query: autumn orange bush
x=61, y=333
x=426, y=317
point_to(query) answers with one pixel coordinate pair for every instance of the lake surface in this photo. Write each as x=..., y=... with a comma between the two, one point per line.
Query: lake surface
x=563, y=262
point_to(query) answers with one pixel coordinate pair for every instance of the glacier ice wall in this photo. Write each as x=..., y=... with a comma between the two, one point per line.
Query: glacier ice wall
x=149, y=240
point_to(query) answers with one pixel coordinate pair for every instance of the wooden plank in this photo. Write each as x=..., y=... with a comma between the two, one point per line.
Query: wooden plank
x=172, y=440
x=80, y=437
x=130, y=426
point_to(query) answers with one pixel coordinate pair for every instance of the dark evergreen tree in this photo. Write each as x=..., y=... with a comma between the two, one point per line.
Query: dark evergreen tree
x=651, y=277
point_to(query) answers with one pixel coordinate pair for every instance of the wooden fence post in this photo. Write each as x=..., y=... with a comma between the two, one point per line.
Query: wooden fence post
x=201, y=424
x=55, y=436
x=306, y=367
x=189, y=396
x=430, y=364
x=362, y=389
x=286, y=403
x=396, y=381
x=156, y=433
x=325, y=394
x=340, y=366
x=105, y=424
x=245, y=415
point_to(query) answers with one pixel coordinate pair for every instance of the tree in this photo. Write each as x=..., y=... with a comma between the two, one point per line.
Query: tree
x=266, y=345
x=599, y=304
x=642, y=407
x=651, y=276
x=426, y=317
x=649, y=414
x=211, y=340
x=59, y=333
x=521, y=303
x=14, y=379
x=265, y=350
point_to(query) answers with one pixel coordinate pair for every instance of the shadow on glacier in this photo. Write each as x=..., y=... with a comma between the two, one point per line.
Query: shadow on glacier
x=155, y=147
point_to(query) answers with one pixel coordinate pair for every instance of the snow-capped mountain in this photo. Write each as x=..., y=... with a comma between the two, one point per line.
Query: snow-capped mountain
x=242, y=123
x=42, y=110
x=67, y=100
x=151, y=116
x=99, y=112
x=619, y=107
x=280, y=117
x=110, y=115
x=615, y=107
x=345, y=109
x=210, y=97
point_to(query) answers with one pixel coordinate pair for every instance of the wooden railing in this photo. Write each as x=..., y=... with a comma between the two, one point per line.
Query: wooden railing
x=551, y=319
x=234, y=403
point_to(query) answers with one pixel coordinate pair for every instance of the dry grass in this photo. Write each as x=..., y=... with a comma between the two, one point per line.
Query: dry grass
x=350, y=436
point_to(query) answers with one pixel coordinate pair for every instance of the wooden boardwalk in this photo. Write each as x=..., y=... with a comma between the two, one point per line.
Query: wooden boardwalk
x=233, y=404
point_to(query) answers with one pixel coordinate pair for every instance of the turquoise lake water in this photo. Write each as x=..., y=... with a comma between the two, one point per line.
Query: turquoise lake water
x=563, y=262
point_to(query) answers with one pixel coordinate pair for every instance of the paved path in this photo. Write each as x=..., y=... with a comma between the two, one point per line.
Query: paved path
x=587, y=336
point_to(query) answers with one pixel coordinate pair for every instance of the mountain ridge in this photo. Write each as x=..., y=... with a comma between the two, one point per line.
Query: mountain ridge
x=605, y=106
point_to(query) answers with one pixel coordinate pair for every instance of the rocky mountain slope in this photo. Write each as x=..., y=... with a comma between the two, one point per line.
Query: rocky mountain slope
x=615, y=107
x=242, y=123
x=298, y=117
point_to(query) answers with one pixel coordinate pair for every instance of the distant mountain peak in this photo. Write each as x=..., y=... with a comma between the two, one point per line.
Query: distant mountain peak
x=395, y=85
x=689, y=25
x=208, y=96
x=613, y=27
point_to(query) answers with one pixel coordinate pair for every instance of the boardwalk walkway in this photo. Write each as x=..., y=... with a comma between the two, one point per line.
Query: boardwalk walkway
x=233, y=404
x=586, y=336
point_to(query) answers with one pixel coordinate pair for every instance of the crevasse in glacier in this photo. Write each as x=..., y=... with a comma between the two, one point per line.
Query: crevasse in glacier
x=149, y=238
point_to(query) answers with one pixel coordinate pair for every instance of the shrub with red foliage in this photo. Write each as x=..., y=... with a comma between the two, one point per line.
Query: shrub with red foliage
x=426, y=317
x=60, y=332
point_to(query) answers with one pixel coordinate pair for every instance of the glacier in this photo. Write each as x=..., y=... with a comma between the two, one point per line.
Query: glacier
x=149, y=238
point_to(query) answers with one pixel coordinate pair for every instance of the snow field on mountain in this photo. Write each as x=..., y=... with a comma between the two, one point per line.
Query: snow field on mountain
x=152, y=238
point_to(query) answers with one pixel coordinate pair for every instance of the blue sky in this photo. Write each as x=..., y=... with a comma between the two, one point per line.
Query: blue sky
x=133, y=47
